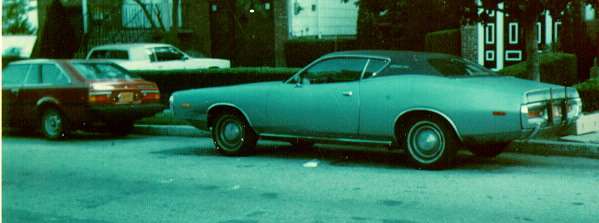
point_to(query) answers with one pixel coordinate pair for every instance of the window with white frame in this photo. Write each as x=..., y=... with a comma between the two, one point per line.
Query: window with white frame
x=490, y=33
x=513, y=32
x=160, y=11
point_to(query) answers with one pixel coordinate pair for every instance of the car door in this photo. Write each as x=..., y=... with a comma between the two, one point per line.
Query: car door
x=168, y=58
x=12, y=82
x=49, y=84
x=322, y=101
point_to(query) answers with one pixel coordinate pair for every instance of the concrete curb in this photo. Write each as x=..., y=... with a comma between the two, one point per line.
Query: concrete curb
x=533, y=146
x=555, y=147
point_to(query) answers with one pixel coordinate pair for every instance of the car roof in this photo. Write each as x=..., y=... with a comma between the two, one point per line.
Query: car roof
x=127, y=46
x=46, y=60
x=393, y=55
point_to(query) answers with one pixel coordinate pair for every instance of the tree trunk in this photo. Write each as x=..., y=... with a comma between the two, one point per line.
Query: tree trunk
x=530, y=34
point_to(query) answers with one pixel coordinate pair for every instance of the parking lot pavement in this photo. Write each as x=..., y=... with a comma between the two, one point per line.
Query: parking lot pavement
x=586, y=145
x=140, y=178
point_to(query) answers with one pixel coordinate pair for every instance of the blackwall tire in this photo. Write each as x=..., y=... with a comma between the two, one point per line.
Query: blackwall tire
x=431, y=143
x=53, y=124
x=232, y=135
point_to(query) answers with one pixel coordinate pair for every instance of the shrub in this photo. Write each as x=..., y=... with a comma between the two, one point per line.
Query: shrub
x=8, y=59
x=589, y=93
x=300, y=52
x=556, y=68
x=445, y=41
x=171, y=81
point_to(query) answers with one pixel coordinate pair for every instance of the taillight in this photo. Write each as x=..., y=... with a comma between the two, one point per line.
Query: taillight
x=150, y=95
x=99, y=97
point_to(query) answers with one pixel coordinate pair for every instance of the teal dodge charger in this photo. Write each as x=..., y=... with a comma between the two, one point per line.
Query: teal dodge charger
x=429, y=104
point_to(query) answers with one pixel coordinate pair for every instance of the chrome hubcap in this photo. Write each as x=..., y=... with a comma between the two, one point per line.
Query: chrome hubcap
x=53, y=124
x=232, y=132
x=426, y=142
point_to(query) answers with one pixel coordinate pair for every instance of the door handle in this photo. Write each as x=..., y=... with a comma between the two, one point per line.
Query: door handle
x=347, y=93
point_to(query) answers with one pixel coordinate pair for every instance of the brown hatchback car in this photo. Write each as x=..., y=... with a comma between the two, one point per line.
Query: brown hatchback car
x=59, y=96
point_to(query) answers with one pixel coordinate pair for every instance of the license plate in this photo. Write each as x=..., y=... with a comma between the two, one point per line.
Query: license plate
x=125, y=97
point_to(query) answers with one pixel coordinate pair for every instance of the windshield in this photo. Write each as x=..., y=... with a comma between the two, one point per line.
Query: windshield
x=458, y=67
x=98, y=71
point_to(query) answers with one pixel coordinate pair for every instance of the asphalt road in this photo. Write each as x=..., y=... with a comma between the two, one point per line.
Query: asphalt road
x=97, y=178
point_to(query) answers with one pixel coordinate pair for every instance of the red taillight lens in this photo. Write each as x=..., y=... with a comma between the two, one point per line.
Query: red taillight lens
x=151, y=97
x=99, y=99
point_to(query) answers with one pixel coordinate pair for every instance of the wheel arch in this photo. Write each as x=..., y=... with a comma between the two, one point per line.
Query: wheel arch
x=214, y=110
x=45, y=103
x=405, y=115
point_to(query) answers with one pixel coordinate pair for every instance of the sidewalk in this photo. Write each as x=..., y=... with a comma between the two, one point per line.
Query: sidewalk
x=586, y=145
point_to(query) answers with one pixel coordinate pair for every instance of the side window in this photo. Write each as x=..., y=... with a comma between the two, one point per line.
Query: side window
x=374, y=66
x=52, y=75
x=14, y=74
x=334, y=70
x=109, y=54
x=167, y=54
x=34, y=75
x=151, y=55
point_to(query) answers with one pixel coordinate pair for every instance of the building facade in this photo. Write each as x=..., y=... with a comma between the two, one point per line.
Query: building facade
x=500, y=42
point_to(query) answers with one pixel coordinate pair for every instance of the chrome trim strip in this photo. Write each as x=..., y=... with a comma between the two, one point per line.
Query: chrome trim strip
x=349, y=140
x=455, y=128
x=230, y=105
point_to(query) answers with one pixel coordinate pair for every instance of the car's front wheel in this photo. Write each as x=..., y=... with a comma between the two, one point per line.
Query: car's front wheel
x=53, y=124
x=430, y=142
x=232, y=135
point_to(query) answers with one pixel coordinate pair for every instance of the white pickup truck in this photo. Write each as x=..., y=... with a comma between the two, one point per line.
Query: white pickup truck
x=153, y=57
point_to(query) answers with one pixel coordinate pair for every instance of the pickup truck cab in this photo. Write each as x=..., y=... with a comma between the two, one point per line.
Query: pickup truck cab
x=153, y=57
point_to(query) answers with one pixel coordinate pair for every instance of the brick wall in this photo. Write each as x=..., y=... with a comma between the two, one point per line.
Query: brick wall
x=469, y=35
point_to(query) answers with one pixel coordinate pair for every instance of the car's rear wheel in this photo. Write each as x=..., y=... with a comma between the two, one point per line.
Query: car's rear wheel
x=430, y=142
x=233, y=136
x=53, y=124
x=488, y=151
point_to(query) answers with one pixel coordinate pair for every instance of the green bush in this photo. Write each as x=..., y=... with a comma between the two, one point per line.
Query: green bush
x=171, y=81
x=556, y=68
x=8, y=59
x=300, y=52
x=589, y=93
x=445, y=41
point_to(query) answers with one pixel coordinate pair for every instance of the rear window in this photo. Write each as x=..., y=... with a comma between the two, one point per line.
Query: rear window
x=109, y=54
x=458, y=67
x=98, y=71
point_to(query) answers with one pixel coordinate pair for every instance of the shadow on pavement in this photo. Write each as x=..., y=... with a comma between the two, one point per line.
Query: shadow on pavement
x=340, y=155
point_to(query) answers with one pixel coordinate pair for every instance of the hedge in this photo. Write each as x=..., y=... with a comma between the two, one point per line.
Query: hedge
x=300, y=52
x=171, y=81
x=445, y=41
x=557, y=68
x=589, y=93
x=8, y=59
